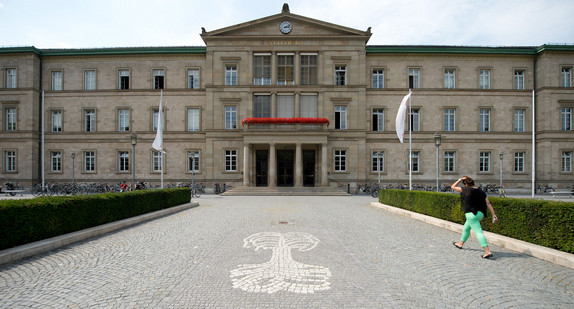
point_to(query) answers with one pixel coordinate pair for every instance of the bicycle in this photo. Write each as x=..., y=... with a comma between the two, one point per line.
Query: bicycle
x=547, y=190
x=195, y=191
x=218, y=189
x=366, y=188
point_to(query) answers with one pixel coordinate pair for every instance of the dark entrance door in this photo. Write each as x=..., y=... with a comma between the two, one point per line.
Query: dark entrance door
x=309, y=168
x=285, y=159
x=261, y=168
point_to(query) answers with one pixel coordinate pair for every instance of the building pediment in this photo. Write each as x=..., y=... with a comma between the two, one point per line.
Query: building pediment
x=285, y=26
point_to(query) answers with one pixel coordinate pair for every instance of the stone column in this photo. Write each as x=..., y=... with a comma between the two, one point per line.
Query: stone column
x=272, y=166
x=297, y=104
x=246, y=182
x=298, y=166
x=324, y=166
x=274, y=105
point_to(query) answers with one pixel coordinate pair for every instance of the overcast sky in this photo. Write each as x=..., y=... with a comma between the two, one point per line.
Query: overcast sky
x=139, y=23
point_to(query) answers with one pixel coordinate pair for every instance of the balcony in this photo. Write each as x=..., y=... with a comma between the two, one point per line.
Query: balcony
x=285, y=124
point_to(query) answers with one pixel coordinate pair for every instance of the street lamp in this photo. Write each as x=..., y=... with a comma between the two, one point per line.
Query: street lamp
x=134, y=141
x=501, y=154
x=437, y=140
x=379, y=155
x=73, y=166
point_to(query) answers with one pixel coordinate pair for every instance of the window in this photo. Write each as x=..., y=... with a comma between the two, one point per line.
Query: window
x=566, y=161
x=484, y=161
x=378, y=119
x=193, y=79
x=56, y=121
x=231, y=75
x=57, y=84
x=519, y=120
x=10, y=161
x=261, y=69
x=341, y=75
x=261, y=106
x=449, y=79
x=519, y=162
x=519, y=79
x=231, y=160
x=414, y=78
x=378, y=162
x=416, y=161
x=123, y=161
x=193, y=119
x=156, y=119
x=309, y=69
x=124, y=79
x=285, y=67
x=340, y=117
x=231, y=117
x=484, y=120
x=193, y=161
x=449, y=161
x=156, y=162
x=484, y=79
x=55, y=161
x=449, y=119
x=89, y=120
x=566, y=118
x=308, y=105
x=10, y=118
x=158, y=79
x=90, y=80
x=378, y=78
x=285, y=106
x=11, y=78
x=340, y=160
x=123, y=120
x=89, y=161
x=566, y=77
x=415, y=119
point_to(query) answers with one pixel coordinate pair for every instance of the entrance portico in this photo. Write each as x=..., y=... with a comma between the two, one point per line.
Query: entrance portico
x=270, y=161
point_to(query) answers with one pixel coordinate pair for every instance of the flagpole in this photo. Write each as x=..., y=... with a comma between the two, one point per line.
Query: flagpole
x=410, y=144
x=160, y=124
x=533, y=143
x=43, y=144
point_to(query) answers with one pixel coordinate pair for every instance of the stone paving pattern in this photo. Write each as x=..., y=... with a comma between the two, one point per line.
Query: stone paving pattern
x=376, y=259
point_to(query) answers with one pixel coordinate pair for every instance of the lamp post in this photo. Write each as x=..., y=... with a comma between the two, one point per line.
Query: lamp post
x=134, y=141
x=379, y=155
x=73, y=166
x=437, y=141
x=501, y=154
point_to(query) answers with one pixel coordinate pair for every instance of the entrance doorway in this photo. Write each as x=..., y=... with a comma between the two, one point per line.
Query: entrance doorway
x=261, y=168
x=309, y=168
x=285, y=171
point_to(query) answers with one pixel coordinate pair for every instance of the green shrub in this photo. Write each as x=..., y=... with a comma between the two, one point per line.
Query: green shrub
x=541, y=222
x=25, y=221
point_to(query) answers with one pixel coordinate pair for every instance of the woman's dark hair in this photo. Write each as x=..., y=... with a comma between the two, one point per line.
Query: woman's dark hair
x=467, y=181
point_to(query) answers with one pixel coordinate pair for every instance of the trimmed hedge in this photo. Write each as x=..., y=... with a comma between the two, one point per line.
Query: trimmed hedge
x=29, y=220
x=541, y=222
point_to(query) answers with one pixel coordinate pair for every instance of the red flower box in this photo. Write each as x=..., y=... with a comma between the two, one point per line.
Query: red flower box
x=302, y=120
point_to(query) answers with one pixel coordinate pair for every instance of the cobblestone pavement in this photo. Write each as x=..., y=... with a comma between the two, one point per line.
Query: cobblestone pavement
x=283, y=252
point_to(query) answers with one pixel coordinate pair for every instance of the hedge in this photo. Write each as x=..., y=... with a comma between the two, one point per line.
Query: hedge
x=541, y=222
x=28, y=220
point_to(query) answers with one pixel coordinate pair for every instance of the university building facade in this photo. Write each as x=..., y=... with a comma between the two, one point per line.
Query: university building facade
x=287, y=101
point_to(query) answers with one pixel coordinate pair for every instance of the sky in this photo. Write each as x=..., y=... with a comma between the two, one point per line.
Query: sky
x=161, y=23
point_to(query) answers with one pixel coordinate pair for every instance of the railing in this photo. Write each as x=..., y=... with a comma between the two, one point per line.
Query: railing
x=285, y=127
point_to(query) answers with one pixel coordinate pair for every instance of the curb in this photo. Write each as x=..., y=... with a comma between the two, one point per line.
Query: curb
x=42, y=246
x=547, y=254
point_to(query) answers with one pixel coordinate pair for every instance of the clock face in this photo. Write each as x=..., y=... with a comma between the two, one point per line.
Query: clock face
x=285, y=27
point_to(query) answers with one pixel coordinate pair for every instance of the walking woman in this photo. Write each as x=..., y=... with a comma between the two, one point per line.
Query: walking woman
x=474, y=204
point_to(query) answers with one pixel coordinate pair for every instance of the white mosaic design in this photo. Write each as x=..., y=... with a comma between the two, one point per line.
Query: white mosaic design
x=281, y=273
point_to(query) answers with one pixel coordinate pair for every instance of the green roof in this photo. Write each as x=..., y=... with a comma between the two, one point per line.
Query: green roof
x=106, y=51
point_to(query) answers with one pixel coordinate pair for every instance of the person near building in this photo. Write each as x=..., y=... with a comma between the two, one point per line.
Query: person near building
x=474, y=204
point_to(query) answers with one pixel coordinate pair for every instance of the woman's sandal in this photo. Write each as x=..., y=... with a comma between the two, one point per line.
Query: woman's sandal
x=488, y=256
x=454, y=244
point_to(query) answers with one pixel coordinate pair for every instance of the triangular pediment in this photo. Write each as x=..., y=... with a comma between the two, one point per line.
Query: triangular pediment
x=301, y=28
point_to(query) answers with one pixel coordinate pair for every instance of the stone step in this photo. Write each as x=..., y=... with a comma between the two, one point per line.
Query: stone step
x=286, y=191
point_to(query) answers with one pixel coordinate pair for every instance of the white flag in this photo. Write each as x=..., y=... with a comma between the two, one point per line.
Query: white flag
x=400, y=121
x=158, y=142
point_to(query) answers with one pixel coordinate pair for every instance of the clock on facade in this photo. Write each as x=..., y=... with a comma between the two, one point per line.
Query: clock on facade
x=285, y=27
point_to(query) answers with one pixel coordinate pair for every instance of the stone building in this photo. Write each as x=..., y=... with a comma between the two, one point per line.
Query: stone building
x=480, y=99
